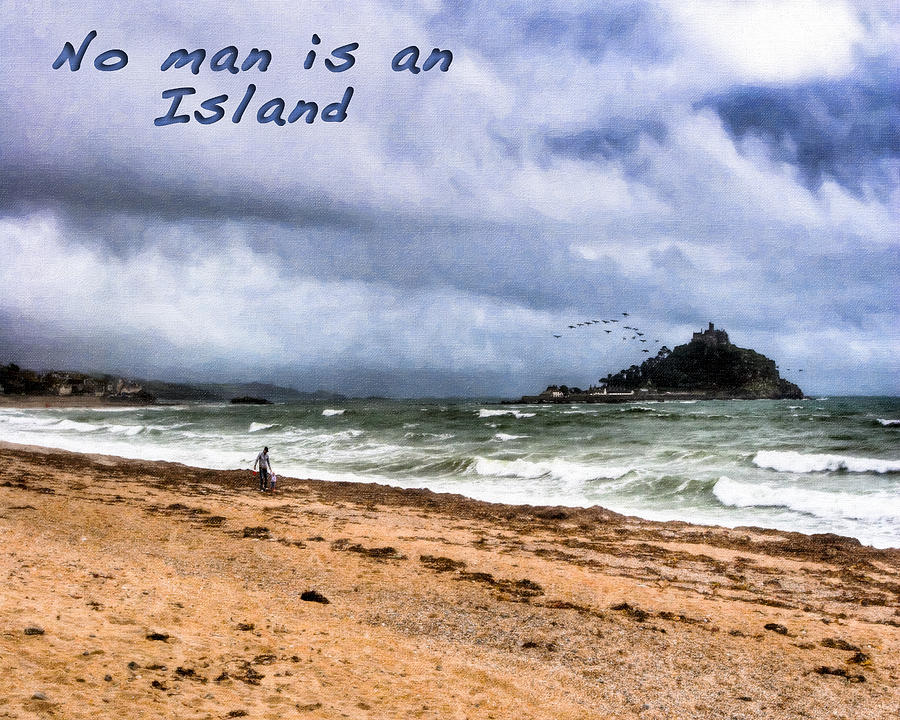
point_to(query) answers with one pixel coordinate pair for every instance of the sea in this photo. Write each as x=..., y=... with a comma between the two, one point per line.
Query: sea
x=824, y=464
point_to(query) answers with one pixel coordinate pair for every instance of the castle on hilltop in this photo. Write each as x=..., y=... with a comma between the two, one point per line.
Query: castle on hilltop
x=712, y=337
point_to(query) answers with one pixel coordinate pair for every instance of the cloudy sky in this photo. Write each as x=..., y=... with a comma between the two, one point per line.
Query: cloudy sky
x=737, y=162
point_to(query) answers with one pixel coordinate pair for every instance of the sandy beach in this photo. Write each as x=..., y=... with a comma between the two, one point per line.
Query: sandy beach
x=139, y=589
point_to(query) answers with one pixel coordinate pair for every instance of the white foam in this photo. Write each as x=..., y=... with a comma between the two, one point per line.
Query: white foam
x=129, y=430
x=329, y=412
x=482, y=413
x=67, y=424
x=435, y=436
x=874, y=507
x=556, y=468
x=795, y=462
x=256, y=426
x=887, y=422
x=503, y=437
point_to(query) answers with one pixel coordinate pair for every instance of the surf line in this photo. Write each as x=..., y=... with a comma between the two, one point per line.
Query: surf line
x=271, y=111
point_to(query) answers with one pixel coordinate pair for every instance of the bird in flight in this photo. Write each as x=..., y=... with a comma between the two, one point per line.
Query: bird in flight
x=571, y=327
x=556, y=336
x=609, y=331
x=625, y=314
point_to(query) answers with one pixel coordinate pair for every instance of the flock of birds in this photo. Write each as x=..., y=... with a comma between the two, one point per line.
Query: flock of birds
x=614, y=325
x=617, y=326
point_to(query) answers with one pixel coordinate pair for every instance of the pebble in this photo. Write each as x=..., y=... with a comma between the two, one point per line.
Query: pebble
x=34, y=630
x=39, y=696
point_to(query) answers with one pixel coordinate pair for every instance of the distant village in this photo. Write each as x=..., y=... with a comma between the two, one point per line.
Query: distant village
x=18, y=381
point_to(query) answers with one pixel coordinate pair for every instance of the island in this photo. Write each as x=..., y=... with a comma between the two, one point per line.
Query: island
x=247, y=400
x=709, y=367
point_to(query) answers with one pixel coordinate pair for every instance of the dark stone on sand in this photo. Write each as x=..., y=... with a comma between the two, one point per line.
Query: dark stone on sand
x=185, y=672
x=162, y=637
x=441, y=564
x=250, y=676
x=237, y=713
x=478, y=577
x=259, y=532
x=776, y=628
x=377, y=553
x=107, y=678
x=264, y=659
x=133, y=666
x=34, y=630
x=313, y=596
x=309, y=707
x=39, y=696
x=839, y=672
x=860, y=658
x=633, y=612
x=157, y=685
x=838, y=644
x=222, y=677
x=245, y=627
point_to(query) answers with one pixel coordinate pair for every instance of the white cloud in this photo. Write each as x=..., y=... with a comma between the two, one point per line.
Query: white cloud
x=772, y=40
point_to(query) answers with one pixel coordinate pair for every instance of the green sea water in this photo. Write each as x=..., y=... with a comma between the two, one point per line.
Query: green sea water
x=813, y=465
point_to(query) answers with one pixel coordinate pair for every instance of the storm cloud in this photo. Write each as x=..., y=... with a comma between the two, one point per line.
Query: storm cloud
x=683, y=163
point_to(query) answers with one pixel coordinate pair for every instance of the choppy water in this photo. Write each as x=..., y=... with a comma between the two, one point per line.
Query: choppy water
x=816, y=465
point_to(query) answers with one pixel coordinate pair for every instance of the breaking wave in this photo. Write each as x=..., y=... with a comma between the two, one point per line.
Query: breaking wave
x=876, y=507
x=795, y=462
x=329, y=412
x=482, y=413
x=257, y=426
x=560, y=469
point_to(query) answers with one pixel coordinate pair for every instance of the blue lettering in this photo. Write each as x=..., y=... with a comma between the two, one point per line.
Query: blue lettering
x=74, y=58
x=406, y=60
x=444, y=57
x=170, y=118
x=263, y=57
x=225, y=59
x=337, y=112
x=266, y=116
x=309, y=108
x=343, y=53
x=118, y=57
x=180, y=58
x=214, y=105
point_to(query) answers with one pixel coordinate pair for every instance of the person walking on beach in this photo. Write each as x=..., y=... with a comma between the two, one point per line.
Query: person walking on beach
x=264, y=468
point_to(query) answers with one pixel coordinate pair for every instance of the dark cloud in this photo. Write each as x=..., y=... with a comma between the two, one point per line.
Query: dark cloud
x=617, y=138
x=633, y=29
x=845, y=130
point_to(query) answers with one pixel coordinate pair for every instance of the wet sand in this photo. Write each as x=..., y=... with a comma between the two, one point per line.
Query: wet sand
x=138, y=589
x=66, y=401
